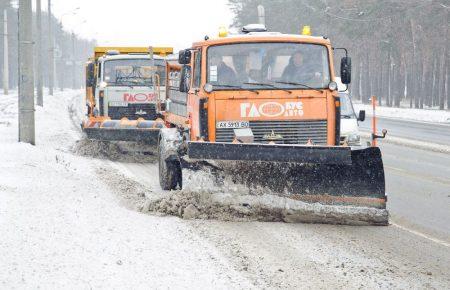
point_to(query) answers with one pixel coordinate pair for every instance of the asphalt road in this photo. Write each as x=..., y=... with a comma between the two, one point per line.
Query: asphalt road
x=428, y=132
x=418, y=187
x=417, y=181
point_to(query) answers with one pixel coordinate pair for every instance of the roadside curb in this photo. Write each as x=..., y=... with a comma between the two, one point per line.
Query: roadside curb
x=369, y=115
x=412, y=143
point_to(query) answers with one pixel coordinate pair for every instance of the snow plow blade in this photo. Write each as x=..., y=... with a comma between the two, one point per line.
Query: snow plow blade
x=269, y=152
x=137, y=131
x=313, y=174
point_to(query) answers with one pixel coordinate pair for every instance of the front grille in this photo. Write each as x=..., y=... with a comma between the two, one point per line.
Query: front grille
x=129, y=112
x=293, y=132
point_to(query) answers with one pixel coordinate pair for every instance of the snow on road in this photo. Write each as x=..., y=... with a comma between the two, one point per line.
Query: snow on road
x=422, y=115
x=62, y=228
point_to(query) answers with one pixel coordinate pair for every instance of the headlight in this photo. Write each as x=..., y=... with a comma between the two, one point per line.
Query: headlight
x=208, y=88
x=332, y=86
x=353, y=139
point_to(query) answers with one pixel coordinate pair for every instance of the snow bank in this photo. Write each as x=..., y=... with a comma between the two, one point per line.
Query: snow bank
x=204, y=197
x=423, y=115
x=62, y=228
x=116, y=151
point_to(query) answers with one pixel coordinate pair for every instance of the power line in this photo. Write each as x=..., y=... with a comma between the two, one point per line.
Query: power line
x=326, y=12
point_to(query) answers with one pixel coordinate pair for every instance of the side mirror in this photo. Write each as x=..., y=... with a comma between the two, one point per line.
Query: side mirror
x=184, y=56
x=90, y=76
x=185, y=78
x=362, y=116
x=346, y=70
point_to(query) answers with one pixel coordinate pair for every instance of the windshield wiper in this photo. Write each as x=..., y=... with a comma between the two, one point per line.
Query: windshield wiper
x=347, y=116
x=269, y=85
x=132, y=82
x=236, y=87
x=298, y=84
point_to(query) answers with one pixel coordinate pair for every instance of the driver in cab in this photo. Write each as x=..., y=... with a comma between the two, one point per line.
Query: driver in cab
x=225, y=75
x=298, y=71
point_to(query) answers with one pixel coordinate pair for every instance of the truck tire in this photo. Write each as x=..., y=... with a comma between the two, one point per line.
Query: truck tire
x=170, y=174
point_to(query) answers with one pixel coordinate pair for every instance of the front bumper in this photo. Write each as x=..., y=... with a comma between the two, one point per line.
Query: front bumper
x=138, y=135
x=123, y=130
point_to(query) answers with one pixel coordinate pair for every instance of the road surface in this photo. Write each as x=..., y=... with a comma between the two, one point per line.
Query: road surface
x=414, y=251
x=418, y=187
x=417, y=181
x=428, y=132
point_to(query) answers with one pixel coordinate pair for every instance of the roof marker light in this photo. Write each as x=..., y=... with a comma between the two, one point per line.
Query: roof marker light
x=223, y=32
x=306, y=30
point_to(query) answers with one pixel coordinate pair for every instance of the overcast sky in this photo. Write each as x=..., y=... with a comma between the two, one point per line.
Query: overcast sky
x=143, y=22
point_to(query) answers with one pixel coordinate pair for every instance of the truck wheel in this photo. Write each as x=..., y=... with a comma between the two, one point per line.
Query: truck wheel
x=170, y=174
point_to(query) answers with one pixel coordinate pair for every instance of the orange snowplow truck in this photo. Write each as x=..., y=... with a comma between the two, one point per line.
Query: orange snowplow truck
x=123, y=93
x=267, y=101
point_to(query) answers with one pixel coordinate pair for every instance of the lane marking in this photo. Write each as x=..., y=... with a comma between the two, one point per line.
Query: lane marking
x=422, y=235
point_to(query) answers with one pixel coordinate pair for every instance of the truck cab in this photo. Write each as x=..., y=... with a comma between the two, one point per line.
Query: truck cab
x=124, y=90
x=253, y=81
x=125, y=87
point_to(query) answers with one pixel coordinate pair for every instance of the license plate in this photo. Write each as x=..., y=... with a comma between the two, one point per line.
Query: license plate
x=118, y=104
x=232, y=124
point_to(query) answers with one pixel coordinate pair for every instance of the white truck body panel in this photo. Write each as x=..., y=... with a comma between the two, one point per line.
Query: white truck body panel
x=129, y=97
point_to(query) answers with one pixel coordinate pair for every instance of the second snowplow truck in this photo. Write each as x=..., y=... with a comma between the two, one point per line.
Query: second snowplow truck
x=124, y=86
x=265, y=105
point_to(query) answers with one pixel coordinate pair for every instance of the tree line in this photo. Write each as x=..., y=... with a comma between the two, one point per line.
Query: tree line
x=71, y=51
x=399, y=48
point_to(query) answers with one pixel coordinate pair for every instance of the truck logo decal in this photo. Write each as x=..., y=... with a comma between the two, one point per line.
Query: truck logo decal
x=138, y=98
x=271, y=109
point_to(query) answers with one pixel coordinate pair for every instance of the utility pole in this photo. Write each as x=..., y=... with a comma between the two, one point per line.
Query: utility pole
x=26, y=75
x=40, y=93
x=5, y=53
x=51, y=45
x=74, y=73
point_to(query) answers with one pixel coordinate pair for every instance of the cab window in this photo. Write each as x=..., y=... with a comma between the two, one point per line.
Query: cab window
x=197, y=69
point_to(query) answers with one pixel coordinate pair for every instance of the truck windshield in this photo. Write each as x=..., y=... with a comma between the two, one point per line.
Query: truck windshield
x=265, y=65
x=347, y=111
x=132, y=72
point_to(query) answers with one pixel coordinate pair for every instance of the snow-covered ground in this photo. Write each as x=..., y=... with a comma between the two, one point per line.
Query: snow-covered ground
x=61, y=227
x=422, y=115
